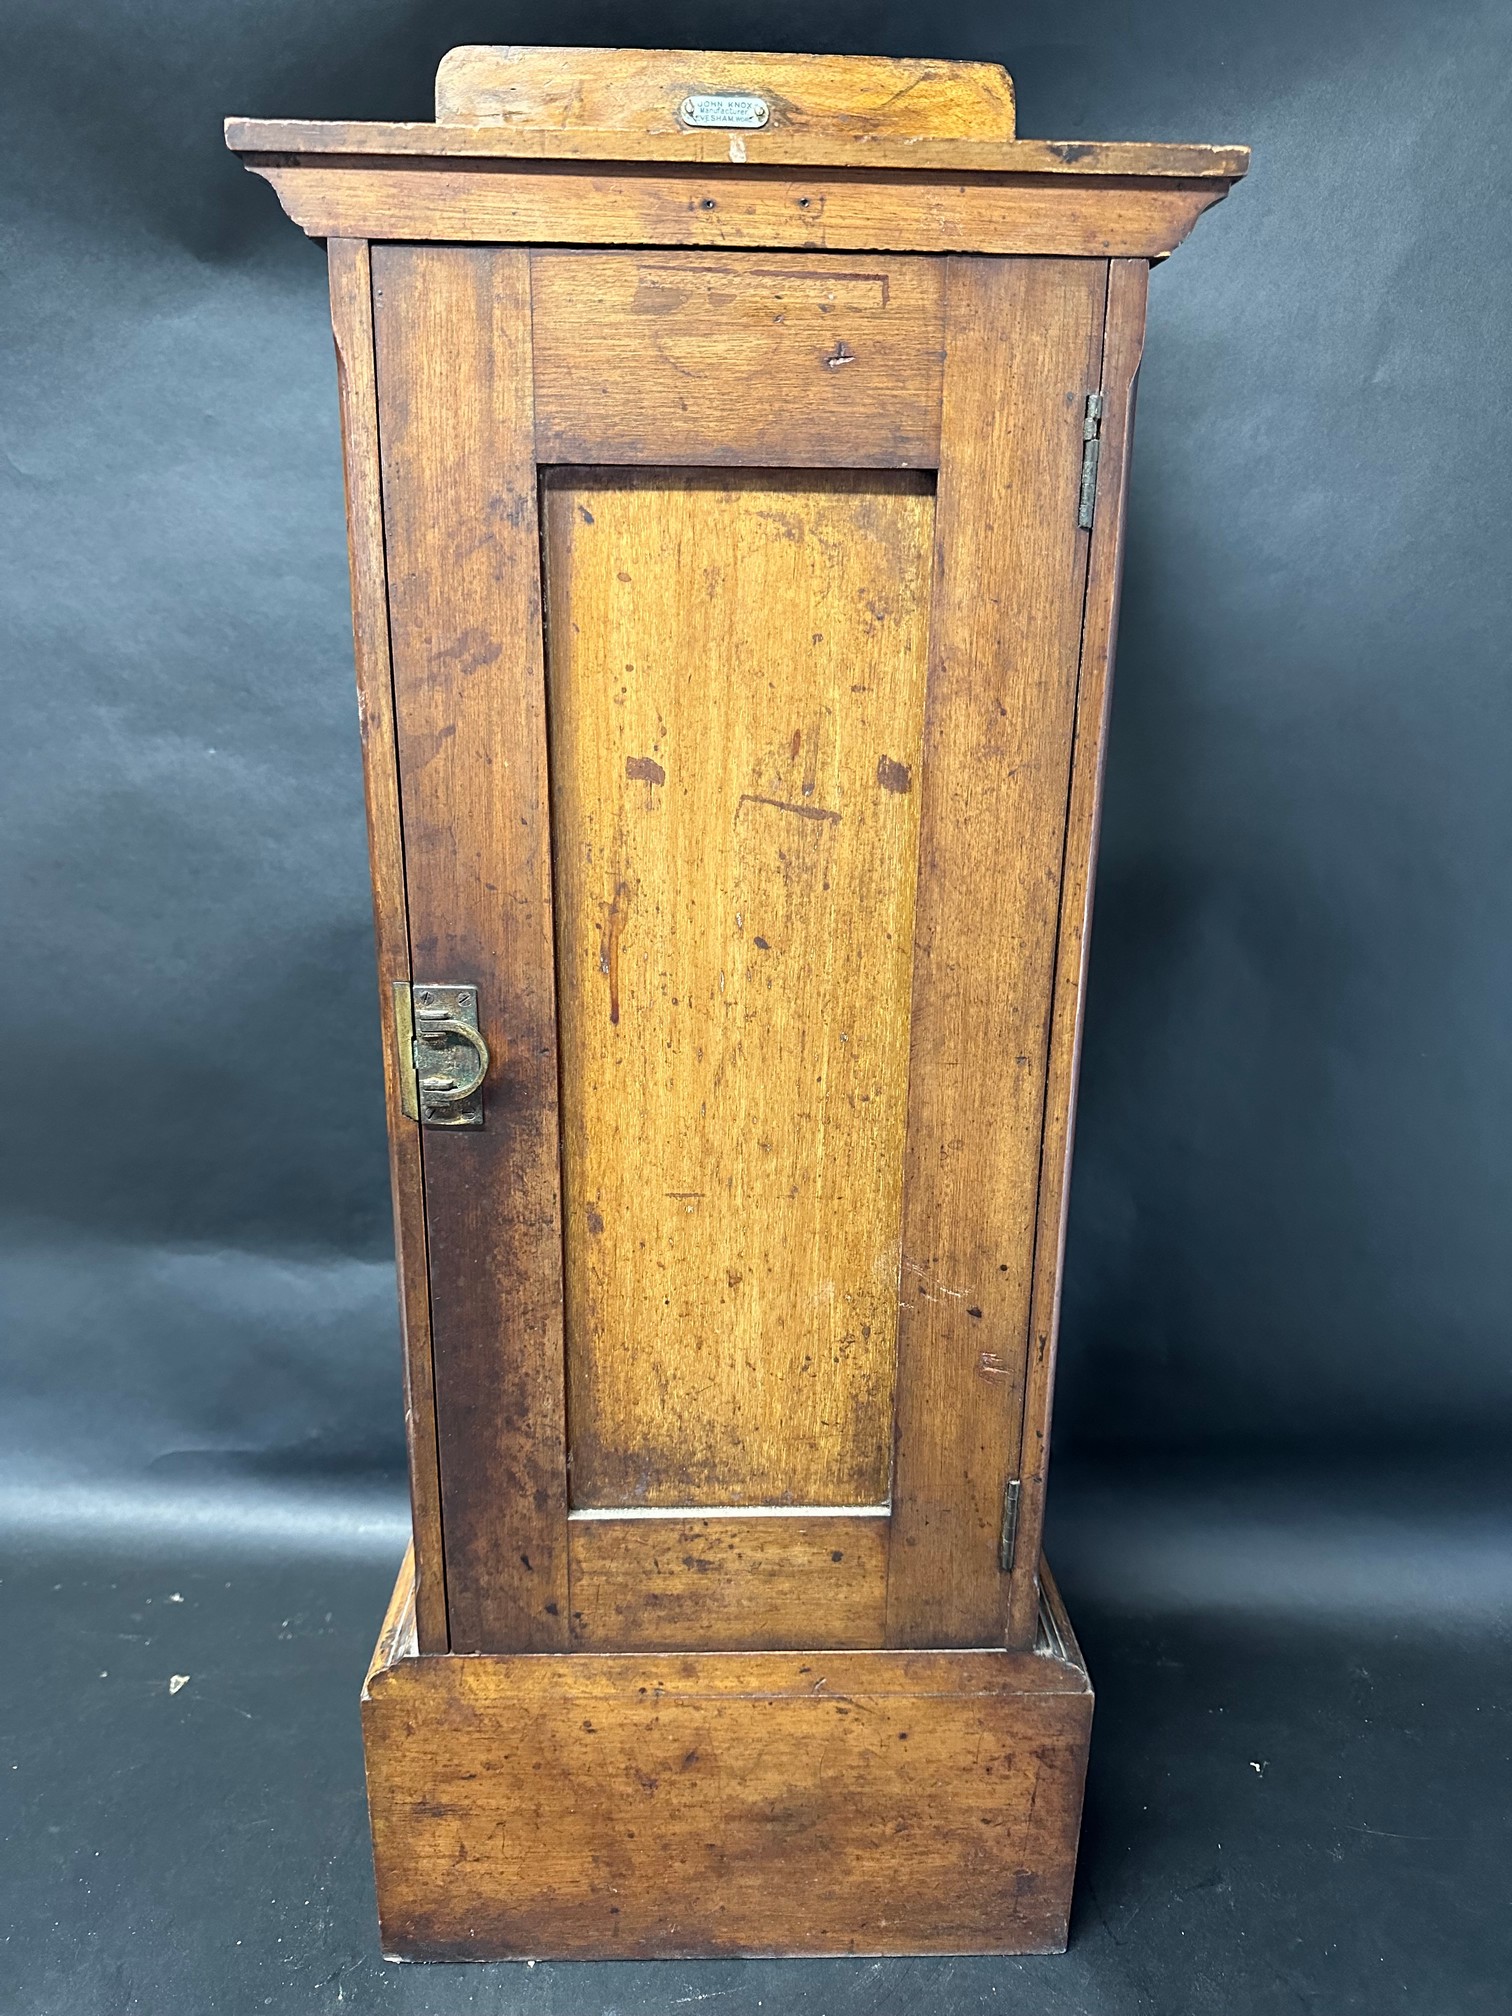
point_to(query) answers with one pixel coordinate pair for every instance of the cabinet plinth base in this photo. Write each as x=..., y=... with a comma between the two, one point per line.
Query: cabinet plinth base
x=660, y=1805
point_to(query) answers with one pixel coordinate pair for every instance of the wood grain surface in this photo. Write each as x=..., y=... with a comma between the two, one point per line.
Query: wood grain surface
x=729, y=1583
x=1023, y=350
x=734, y=677
x=691, y=357
x=737, y=677
x=1128, y=282
x=645, y=1806
x=816, y=210
x=1068, y=160
x=641, y=90
x=454, y=376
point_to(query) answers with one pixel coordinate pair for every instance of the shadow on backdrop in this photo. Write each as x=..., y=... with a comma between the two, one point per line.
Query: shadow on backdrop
x=1291, y=1195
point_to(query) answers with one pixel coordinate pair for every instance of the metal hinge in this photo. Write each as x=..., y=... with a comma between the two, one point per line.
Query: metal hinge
x=443, y=1059
x=1091, y=448
x=1008, y=1538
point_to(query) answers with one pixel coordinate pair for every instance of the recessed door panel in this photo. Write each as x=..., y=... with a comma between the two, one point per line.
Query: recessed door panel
x=736, y=672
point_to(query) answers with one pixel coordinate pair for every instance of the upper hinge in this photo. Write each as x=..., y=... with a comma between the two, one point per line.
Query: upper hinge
x=1008, y=1538
x=1091, y=447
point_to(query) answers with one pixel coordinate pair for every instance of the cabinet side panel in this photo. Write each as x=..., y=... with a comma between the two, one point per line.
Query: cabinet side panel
x=1128, y=283
x=737, y=679
x=352, y=325
x=454, y=377
x=1023, y=347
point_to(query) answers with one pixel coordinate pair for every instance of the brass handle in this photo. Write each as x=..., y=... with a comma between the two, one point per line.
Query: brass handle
x=441, y=1091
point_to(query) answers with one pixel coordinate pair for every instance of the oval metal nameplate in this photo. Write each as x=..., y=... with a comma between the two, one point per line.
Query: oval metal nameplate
x=737, y=111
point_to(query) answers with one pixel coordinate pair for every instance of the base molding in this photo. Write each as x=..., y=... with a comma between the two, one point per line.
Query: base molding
x=660, y=1805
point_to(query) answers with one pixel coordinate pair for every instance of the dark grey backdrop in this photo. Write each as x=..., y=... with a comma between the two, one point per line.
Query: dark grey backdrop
x=1291, y=1205
x=1282, y=1510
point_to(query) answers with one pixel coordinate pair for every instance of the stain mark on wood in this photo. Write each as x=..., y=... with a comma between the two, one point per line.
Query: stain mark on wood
x=470, y=652
x=893, y=776
x=644, y=770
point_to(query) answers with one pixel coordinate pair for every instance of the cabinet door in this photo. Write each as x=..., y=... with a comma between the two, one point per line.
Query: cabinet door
x=735, y=606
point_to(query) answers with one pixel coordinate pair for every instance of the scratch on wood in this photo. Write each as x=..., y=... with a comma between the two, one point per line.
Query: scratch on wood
x=930, y=1291
x=782, y=805
x=614, y=925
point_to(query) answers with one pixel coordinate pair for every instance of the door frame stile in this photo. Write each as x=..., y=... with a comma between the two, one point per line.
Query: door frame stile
x=1123, y=342
x=452, y=342
x=999, y=711
x=350, y=276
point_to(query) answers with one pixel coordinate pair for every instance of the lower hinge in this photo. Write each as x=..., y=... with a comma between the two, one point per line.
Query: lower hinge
x=1008, y=1538
x=1091, y=449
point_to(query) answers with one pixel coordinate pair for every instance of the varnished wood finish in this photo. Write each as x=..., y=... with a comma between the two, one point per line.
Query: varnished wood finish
x=352, y=326
x=814, y=210
x=453, y=347
x=1128, y=281
x=737, y=686
x=734, y=674
x=640, y=90
x=649, y=1805
x=686, y=357
x=1023, y=349
x=1068, y=160
x=729, y=1583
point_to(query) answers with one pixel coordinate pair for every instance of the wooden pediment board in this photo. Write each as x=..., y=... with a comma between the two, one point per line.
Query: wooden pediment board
x=854, y=152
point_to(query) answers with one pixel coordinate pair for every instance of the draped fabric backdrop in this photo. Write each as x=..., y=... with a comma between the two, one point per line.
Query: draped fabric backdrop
x=1294, y=1167
x=1290, y=1269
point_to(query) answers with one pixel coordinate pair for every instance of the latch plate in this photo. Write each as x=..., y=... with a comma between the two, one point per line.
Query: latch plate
x=443, y=1059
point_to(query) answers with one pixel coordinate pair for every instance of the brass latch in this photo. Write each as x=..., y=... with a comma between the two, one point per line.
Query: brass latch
x=443, y=1058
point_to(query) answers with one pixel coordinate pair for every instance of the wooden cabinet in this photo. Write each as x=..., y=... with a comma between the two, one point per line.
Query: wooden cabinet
x=735, y=459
